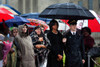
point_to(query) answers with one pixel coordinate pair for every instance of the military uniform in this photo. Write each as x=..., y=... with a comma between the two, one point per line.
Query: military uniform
x=74, y=49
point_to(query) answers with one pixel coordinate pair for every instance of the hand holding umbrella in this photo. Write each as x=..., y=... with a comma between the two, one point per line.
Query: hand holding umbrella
x=3, y=23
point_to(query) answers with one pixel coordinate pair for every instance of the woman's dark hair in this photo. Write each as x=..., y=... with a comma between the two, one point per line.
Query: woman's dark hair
x=52, y=23
x=87, y=29
x=36, y=27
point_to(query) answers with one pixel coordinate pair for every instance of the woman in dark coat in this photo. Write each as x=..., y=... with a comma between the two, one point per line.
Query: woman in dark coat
x=88, y=42
x=75, y=52
x=56, y=48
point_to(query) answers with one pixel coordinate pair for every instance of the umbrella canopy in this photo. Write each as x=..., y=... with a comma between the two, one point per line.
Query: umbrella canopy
x=10, y=9
x=94, y=52
x=35, y=16
x=5, y=17
x=66, y=11
x=93, y=24
x=3, y=10
x=17, y=20
x=35, y=22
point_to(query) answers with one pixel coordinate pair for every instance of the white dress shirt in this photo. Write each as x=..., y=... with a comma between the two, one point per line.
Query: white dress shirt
x=73, y=32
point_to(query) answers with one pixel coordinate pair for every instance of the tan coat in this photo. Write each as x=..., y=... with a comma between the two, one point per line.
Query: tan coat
x=26, y=52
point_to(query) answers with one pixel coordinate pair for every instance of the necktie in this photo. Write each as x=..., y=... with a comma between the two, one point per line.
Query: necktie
x=73, y=33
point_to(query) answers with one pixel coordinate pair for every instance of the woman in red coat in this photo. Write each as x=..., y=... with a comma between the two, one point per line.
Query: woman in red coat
x=88, y=42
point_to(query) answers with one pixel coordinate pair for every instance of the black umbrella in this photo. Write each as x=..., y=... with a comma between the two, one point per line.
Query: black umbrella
x=66, y=11
x=94, y=52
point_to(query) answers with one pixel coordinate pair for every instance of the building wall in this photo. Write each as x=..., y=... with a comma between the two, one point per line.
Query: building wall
x=42, y=4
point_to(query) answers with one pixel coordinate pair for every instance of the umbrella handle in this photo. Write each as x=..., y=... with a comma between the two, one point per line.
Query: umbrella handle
x=4, y=25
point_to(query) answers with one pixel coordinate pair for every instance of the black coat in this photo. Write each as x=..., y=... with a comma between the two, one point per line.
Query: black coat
x=55, y=49
x=74, y=50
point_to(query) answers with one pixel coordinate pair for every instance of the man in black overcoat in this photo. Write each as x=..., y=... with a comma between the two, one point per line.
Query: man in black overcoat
x=74, y=47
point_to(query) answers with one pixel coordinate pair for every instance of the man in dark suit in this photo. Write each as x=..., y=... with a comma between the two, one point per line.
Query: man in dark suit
x=74, y=47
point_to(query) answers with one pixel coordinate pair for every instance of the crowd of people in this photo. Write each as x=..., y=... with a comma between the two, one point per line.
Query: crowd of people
x=18, y=48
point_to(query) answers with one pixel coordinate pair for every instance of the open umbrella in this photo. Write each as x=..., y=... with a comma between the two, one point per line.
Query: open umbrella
x=93, y=24
x=5, y=17
x=35, y=22
x=35, y=16
x=17, y=20
x=10, y=9
x=94, y=52
x=3, y=10
x=66, y=11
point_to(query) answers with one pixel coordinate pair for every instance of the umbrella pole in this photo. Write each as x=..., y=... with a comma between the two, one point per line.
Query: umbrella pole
x=65, y=24
x=4, y=25
x=82, y=24
x=89, y=60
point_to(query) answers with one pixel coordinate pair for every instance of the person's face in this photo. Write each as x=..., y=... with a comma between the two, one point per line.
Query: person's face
x=24, y=29
x=38, y=31
x=85, y=33
x=15, y=32
x=73, y=27
x=55, y=27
